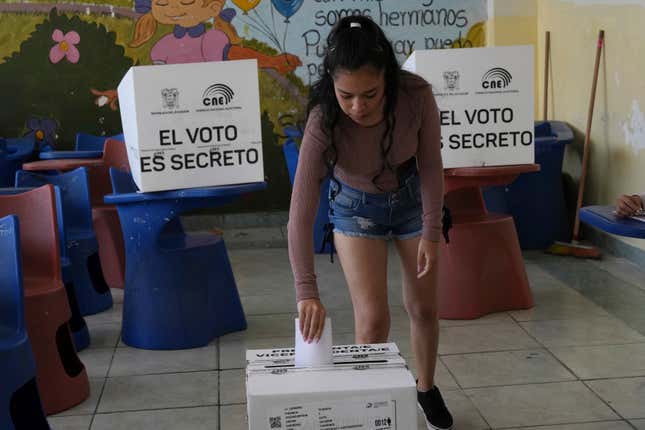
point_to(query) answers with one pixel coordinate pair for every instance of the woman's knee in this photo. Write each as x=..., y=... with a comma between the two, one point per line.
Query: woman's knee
x=422, y=312
x=374, y=326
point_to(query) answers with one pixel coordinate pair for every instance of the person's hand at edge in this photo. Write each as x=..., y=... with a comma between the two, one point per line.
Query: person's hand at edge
x=311, y=313
x=628, y=205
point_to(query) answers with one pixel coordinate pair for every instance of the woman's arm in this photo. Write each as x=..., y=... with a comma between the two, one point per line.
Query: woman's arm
x=430, y=167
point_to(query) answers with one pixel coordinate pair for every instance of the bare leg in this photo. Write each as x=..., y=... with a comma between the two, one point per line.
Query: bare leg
x=364, y=264
x=420, y=299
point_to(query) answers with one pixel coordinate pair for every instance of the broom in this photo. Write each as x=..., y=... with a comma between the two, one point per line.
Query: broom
x=575, y=248
x=547, y=56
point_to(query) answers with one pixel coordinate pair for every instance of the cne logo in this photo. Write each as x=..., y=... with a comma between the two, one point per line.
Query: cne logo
x=496, y=78
x=217, y=95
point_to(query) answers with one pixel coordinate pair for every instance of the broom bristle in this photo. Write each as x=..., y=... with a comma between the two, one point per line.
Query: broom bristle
x=574, y=248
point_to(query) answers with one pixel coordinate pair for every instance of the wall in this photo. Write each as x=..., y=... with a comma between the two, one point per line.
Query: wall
x=514, y=22
x=618, y=133
x=61, y=61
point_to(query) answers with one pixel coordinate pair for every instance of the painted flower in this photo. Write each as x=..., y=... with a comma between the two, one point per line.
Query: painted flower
x=106, y=97
x=65, y=48
x=43, y=131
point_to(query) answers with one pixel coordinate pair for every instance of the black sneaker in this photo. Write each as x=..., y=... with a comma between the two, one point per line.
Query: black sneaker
x=434, y=409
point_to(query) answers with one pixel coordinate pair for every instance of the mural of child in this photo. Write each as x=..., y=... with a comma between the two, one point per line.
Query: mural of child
x=191, y=41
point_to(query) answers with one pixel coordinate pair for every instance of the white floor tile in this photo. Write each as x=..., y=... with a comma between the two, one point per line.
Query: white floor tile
x=506, y=368
x=606, y=361
x=588, y=331
x=134, y=361
x=539, y=404
x=173, y=390
x=200, y=418
x=626, y=396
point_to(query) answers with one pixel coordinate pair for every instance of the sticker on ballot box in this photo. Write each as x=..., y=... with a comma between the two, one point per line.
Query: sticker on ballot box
x=371, y=413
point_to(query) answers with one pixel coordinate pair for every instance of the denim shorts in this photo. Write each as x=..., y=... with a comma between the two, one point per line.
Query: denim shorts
x=393, y=214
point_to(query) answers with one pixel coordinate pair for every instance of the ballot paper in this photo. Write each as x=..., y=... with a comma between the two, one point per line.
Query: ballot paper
x=314, y=353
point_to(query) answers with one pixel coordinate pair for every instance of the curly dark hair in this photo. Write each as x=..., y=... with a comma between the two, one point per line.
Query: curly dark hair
x=354, y=42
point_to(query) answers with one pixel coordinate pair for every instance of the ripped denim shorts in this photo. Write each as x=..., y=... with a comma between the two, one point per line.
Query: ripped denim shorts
x=393, y=214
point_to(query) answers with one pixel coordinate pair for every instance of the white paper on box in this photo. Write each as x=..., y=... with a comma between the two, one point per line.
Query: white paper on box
x=486, y=103
x=192, y=125
x=314, y=353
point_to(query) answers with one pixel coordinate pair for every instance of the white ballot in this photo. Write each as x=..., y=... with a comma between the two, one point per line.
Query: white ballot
x=314, y=353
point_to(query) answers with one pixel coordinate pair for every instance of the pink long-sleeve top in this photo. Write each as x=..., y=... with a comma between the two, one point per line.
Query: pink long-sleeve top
x=416, y=133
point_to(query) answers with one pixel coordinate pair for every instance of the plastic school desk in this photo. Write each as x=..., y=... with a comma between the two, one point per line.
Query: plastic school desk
x=603, y=218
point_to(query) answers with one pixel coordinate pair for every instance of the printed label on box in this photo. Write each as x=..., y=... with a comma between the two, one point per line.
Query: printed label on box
x=371, y=413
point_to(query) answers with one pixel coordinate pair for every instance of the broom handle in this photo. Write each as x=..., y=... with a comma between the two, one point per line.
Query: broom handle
x=585, y=151
x=547, y=49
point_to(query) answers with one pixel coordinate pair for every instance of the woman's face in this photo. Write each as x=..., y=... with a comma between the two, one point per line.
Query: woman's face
x=361, y=94
x=187, y=13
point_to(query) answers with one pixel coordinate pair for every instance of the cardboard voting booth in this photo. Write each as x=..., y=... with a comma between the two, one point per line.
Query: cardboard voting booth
x=192, y=125
x=485, y=98
x=368, y=387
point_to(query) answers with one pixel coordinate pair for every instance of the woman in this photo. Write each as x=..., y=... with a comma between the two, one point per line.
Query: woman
x=375, y=129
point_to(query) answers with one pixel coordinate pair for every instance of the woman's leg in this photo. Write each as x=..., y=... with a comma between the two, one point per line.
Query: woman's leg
x=364, y=263
x=420, y=299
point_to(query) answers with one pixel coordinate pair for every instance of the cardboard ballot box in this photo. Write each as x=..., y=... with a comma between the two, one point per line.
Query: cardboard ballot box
x=192, y=125
x=485, y=98
x=369, y=387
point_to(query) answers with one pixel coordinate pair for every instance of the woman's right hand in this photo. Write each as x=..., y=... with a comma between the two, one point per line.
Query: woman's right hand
x=311, y=313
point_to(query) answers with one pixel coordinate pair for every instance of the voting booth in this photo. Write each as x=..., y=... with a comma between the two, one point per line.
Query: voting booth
x=192, y=125
x=485, y=98
x=368, y=387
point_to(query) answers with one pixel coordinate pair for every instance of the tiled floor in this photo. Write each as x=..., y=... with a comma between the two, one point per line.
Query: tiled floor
x=575, y=361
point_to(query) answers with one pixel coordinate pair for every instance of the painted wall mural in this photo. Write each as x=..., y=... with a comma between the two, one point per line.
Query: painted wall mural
x=60, y=63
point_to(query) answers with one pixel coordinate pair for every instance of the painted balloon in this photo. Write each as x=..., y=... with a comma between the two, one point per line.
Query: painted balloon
x=246, y=5
x=287, y=7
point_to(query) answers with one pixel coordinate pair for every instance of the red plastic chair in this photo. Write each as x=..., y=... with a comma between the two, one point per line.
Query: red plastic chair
x=61, y=377
x=105, y=217
x=106, y=221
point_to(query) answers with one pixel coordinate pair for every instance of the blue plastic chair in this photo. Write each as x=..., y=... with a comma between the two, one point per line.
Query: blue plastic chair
x=91, y=291
x=20, y=406
x=14, y=152
x=179, y=288
x=21, y=148
x=91, y=142
x=77, y=324
x=290, y=150
x=5, y=165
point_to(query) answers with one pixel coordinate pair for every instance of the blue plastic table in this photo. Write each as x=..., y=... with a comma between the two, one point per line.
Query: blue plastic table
x=179, y=288
x=58, y=155
x=604, y=218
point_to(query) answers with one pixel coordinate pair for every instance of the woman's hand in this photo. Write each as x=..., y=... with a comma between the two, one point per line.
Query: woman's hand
x=312, y=319
x=427, y=257
x=628, y=205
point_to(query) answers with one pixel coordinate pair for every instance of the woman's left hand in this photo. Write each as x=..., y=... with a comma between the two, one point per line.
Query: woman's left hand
x=427, y=257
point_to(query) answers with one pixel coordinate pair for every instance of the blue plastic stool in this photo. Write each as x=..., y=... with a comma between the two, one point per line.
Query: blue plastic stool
x=179, y=289
x=290, y=150
x=77, y=325
x=92, y=292
x=20, y=406
x=91, y=142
